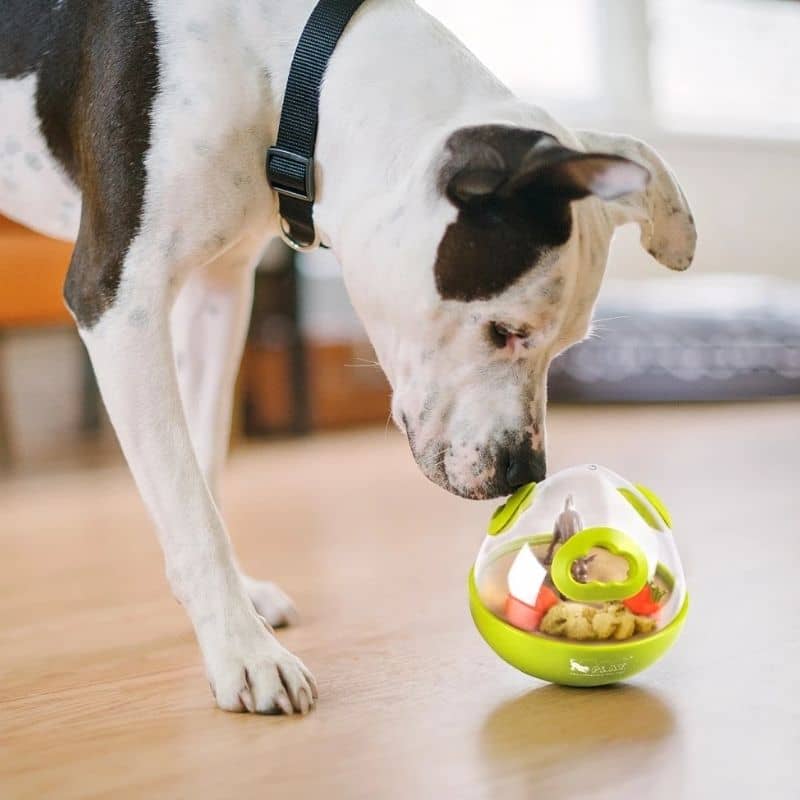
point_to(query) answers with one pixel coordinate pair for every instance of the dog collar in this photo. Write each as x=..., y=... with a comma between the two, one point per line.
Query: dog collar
x=290, y=162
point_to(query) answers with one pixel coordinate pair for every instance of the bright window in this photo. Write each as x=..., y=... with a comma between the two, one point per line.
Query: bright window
x=726, y=65
x=522, y=41
x=720, y=66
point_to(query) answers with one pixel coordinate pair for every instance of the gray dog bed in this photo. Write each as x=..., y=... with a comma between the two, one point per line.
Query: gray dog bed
x=726, y=337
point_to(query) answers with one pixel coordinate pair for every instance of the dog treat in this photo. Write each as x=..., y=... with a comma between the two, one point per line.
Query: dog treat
x=572, y=620
x=648, y=601
x=644, y=624
x=583, y=622
x=534, y=605
x=527, y=617
x=526, y=576
x=521, y=615
x=605, y=623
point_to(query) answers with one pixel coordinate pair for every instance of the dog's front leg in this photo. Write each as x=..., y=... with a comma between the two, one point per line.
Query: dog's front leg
x=130, y=345
x=209, y=325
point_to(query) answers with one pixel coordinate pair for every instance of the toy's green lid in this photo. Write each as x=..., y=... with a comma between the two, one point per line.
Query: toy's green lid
x=505, y=514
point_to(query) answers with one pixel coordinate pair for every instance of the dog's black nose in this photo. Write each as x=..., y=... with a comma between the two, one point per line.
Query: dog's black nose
x=525, y=466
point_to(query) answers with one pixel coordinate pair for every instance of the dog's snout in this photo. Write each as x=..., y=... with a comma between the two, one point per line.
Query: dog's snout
x=524, y=466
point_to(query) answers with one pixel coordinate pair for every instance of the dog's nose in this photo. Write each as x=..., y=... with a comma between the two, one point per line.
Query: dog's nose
x=525, y=466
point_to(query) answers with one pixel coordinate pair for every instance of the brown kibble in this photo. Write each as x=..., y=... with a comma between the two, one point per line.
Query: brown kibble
x=625, y=627
x=579, y=627
x=573, y=620
x=582, y=622
x=604, y=624
x=555, y=620
x=644, y=624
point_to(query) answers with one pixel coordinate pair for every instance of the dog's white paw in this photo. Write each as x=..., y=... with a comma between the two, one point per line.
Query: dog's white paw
x=271, y=602
x=250, y=671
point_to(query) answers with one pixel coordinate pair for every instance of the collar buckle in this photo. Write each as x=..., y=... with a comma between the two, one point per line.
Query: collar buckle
x=291, y=174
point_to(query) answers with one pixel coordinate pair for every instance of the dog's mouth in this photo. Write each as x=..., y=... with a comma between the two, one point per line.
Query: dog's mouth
x=477, y=481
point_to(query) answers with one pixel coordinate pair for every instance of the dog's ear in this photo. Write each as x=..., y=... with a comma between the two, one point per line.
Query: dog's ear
x=476, y=167
x=566, y=174
x=661, y=210
x=513, y=188
x=544, y=171
x=475, y=183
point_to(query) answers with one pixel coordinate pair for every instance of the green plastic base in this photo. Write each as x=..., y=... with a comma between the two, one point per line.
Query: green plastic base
x=571, y=663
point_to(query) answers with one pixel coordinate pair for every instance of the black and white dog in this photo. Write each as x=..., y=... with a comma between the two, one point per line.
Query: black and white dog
x=472, y=229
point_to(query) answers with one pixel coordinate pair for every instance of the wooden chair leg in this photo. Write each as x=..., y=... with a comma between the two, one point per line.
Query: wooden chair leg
x=90, y=396
x=5, y=422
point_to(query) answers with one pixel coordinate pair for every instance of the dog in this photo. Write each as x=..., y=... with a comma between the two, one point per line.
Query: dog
x=472, y=230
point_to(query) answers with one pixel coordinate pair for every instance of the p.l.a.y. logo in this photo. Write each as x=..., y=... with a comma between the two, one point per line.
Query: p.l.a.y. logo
x=599, y=668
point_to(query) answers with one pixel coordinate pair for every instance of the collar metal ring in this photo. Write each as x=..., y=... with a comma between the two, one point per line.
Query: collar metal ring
x=293, y=243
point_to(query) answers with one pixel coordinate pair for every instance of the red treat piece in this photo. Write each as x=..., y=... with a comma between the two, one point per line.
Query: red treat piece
x=521, y=615
x=545, y=600
x=646, y=602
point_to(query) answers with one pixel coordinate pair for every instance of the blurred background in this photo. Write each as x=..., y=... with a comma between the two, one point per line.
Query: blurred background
x=714, y=85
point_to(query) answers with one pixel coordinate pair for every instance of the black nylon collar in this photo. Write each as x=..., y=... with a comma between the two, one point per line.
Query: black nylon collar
x=290, y=162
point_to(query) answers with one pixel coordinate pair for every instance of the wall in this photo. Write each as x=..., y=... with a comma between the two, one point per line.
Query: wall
x=746, y=202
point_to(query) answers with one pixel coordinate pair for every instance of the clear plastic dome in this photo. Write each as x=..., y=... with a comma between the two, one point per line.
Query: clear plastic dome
x=579, y=580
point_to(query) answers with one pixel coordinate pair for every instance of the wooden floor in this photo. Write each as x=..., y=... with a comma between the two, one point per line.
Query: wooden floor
x=102, y=694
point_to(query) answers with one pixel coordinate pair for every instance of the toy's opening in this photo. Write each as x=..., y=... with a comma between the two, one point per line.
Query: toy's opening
x=600, y=565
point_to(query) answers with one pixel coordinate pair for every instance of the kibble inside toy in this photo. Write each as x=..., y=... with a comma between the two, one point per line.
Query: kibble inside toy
x=579, y=581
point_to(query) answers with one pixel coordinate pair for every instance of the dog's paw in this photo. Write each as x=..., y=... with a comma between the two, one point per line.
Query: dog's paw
x=271, y=602
x=254, y=673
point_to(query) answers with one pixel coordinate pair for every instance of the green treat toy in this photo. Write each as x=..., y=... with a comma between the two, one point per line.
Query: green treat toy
x=579, y=581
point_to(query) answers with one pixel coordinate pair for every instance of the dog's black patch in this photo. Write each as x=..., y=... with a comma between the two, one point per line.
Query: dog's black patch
x=97, y=74
x=26, y=27
x=497, y=237
x=513, y=188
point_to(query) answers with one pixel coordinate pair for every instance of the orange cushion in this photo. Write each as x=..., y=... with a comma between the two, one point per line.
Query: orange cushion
x=32, y=271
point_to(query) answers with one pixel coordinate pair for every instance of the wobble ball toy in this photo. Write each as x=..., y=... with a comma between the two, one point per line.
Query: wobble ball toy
x=579, y=581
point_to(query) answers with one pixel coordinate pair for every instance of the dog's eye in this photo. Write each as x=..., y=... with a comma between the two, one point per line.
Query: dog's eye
x=500, y=334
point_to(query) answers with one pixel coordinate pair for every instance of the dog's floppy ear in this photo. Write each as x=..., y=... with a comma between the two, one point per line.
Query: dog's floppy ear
x=513, y=188
x=547, y=171
x=570, y=175
x=662, y=211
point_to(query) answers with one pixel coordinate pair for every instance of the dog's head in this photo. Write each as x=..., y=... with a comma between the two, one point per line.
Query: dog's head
x=480, y=267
